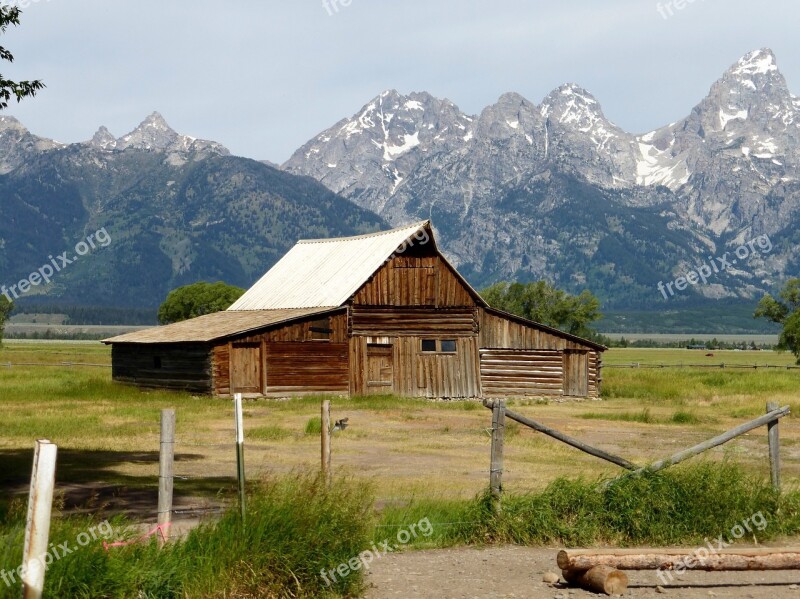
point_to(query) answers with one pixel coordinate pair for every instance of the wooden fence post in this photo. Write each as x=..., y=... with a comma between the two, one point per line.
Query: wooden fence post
x=239, y=425
x=774, y=448
x=166, y=460
x=325, y=433
x=37, y=529
x=498, y=439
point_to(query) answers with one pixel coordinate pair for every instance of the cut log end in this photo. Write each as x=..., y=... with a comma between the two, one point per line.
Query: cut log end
x=600, y=579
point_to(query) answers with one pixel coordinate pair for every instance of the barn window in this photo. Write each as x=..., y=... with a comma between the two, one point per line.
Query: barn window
x=445, y=346
x=157, y=362
x=320, y=330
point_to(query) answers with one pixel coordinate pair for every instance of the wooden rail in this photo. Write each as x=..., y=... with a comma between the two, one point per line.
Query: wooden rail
x=500, y=412
x=537, y=426
x=716, y=441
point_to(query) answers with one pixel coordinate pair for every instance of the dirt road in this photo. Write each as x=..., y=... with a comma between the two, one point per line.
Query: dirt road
x=516, y=573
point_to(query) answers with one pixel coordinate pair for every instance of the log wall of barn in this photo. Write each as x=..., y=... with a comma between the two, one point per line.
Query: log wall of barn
x=167, y=366
x=414, y=281
x=392, y=321
x=518, y=359
x=300, y=357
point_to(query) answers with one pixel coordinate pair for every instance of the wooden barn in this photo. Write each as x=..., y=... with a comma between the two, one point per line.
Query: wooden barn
x=374, y=314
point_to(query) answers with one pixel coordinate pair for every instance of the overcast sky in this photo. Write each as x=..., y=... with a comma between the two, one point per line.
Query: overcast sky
x=263, y=77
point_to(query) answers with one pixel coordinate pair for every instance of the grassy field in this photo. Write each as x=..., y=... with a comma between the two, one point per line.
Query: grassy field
x=419, y=459
x=108, y=433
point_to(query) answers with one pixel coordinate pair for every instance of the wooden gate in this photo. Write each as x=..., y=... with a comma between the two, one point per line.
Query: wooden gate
x=576, y=373
x=246, y=368
x=380, y=369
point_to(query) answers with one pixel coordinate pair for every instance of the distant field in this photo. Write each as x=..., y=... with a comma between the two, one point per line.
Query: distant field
x=67, y=329
x=688, y=357
x=669, y=337
x=108, y=433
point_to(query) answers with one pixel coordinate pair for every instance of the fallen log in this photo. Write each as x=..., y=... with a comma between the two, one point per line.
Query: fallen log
x=599, y=579
x=699, y=558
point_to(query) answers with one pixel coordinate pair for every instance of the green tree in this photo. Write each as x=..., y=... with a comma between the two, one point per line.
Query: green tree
x=197, y=299
x=786, y=313
x=6, y=306
x=541, y=302
x=20, y=89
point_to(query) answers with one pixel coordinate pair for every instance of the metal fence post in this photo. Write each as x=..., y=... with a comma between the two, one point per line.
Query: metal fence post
x=774, y=448
x=240, y=452
x=166, y=481
x=325, y=433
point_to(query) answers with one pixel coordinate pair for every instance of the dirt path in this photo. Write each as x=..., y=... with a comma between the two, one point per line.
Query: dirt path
x=516, y=572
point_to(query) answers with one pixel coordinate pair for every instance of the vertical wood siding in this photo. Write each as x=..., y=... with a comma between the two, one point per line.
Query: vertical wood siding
x=414, y=281
x=417, y=373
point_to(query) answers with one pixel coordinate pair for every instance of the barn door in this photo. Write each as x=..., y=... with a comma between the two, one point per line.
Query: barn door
x=576, y=373
x=380, y=369
x=246, y=368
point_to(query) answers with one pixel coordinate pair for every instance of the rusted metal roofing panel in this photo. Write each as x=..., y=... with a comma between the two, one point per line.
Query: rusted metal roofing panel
x=326, y=272
x=215, y=326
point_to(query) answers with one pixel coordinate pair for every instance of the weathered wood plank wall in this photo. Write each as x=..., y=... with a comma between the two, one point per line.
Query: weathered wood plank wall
x=414, y=281
x=168, y=366
x=306, y=356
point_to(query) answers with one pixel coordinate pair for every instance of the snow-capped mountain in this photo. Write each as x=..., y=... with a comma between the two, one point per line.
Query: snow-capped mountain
x=726, y=173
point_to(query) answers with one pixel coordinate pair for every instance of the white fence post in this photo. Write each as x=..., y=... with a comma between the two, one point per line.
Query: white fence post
x=166, y=481
x=239, y=425
x=37, y=529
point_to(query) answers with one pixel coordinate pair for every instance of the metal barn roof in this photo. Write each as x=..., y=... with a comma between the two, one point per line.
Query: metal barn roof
x=326, y=272
x=215, y=326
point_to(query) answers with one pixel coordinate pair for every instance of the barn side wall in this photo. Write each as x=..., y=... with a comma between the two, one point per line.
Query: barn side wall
x=522, y=360
x=299, y=357
x=414, y=372
x=168, y=366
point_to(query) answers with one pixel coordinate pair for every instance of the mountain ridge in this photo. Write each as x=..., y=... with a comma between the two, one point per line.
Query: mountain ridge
x=725, y=174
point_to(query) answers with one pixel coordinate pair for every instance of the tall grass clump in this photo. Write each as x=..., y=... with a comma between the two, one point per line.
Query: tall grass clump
x=314, y=426
x=679, y=506
x=295, y=527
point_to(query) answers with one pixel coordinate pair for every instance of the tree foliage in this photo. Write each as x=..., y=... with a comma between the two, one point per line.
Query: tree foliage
x=9, y=15
x=197, y=299
x=541, y=302
x=5, y=309
x=786, y=312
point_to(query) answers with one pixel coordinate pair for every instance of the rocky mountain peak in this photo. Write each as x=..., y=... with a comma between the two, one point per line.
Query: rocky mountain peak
x=103, y=139
x=570, y=104
x=9, y=122
x=153, y=133
x=757, y=62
